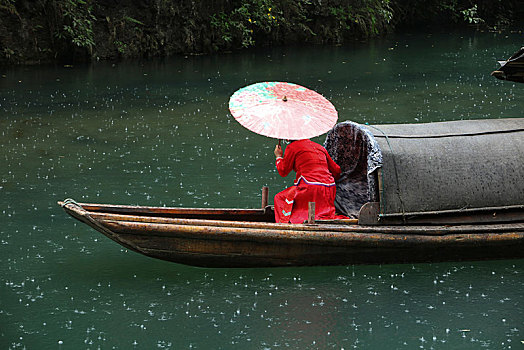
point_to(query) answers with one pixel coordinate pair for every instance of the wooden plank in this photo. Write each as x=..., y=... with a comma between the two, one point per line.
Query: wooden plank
x=311, y=213
x=410, y=229
x=214, y=247
x=265, y=195
x=165, y=210
x=256, y=215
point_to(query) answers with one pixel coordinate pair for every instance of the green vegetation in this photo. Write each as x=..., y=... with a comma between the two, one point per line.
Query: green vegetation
x=486, y=14
x=8, y=5
x=35, y=31
x=252, y=17
x=121, y=47
x=370, y=17
x=132, y=20
x=471, y=15
x=301, y=18
x=241, y=23
x=77, y=22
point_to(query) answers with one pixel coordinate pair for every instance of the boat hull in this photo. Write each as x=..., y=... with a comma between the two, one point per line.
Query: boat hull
x=230, y=243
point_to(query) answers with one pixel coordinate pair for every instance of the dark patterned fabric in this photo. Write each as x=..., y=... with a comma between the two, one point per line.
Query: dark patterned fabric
x=357, y=153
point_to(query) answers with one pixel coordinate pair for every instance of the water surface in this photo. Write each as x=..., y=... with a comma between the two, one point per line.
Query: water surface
x=159, y=133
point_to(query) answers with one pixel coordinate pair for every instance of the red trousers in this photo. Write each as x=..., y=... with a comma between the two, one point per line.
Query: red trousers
x=291, y=205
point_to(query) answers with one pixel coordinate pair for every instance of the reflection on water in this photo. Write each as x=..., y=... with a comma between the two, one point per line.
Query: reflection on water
x=159, y=133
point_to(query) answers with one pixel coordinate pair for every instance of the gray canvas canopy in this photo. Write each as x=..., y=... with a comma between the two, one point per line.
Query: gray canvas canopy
x=439, y=167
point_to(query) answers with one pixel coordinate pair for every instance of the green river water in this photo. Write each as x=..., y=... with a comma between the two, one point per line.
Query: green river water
x=159, y=133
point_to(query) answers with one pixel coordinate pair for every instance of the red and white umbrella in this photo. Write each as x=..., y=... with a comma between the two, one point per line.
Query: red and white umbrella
x=283, y=110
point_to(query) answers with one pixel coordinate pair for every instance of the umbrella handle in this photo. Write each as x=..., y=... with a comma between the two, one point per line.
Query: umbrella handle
x=279, y=142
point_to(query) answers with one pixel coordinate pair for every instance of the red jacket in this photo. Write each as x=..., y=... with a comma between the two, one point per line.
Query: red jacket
x=310, y=161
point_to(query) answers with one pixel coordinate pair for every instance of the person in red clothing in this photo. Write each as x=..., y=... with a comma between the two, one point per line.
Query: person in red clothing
x=315, y=182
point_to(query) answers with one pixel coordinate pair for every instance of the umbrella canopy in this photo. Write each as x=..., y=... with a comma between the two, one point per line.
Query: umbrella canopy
x=282, y=110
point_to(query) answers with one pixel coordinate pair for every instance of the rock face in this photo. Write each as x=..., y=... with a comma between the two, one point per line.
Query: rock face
x=82, y=30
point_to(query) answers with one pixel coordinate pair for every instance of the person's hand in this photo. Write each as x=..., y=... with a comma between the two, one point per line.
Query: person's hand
x=278, y=151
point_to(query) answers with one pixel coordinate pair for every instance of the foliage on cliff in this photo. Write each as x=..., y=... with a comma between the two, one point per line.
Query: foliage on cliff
x=73, y=30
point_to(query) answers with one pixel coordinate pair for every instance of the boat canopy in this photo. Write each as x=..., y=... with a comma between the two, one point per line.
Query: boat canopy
x=427, y=168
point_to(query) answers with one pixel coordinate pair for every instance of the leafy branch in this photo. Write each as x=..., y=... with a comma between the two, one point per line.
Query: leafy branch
x=78, y=21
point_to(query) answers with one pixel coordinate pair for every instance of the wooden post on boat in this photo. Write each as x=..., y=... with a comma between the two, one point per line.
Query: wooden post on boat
x=265, y=195
x=311, y=213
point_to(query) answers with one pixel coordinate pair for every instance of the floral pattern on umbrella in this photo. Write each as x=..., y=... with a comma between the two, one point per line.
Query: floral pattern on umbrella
x=283, y=110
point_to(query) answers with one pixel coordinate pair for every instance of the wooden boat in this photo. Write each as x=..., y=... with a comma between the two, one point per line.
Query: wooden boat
x=511, y=69
x=469, y=210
